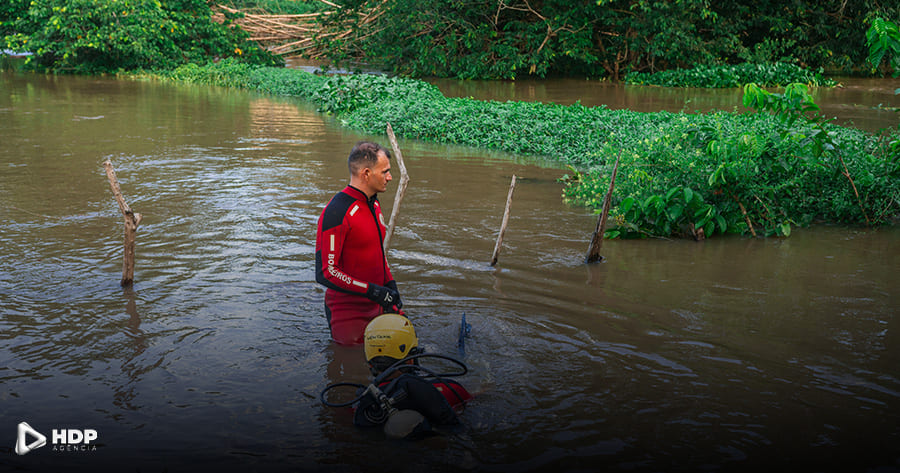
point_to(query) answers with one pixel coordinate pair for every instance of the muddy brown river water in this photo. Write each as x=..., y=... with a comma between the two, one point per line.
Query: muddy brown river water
x=734, y=354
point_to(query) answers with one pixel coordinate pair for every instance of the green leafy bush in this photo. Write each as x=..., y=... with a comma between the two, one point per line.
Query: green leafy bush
x=774, y=74
x=883, y=39
x=750, y=173
x=95, y=36
x=679, y=211
x=225, y=73
x=345, y=93
x=10, y=11
x=231, y=73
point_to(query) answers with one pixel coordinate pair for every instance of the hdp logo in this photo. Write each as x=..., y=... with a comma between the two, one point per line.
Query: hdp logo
x=64, y=440
x=22, y=445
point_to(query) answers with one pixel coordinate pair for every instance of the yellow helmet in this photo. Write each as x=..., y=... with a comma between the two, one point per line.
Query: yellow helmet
x=391, y=336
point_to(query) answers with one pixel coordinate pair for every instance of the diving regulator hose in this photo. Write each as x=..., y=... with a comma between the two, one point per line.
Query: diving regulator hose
x=372, y=389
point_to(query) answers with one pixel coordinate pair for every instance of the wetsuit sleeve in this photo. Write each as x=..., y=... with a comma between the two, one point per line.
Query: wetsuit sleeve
x=329, y=242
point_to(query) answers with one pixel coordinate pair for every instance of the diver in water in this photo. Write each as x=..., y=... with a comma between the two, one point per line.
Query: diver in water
x=406, y=399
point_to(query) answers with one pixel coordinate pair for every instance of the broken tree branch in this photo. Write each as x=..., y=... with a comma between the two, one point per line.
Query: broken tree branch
x=401, y=188
x=509, y=196
x=284, y=34
x=132, y=220
x=593, y=255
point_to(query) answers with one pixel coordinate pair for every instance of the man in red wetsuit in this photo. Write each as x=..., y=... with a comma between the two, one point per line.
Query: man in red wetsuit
x=350, y=259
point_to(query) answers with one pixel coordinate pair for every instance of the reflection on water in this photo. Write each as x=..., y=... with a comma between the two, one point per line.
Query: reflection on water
x=733, y=353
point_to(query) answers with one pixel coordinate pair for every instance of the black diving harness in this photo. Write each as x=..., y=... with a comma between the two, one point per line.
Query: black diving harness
x=397, y=423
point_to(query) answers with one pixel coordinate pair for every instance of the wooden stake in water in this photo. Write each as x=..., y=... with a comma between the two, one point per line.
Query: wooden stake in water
x=512, y=187
x=593, y=254
x=401, y=188
x=132, y=220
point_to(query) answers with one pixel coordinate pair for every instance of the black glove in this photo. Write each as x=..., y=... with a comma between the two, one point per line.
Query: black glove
x=393, y=286
x=384, y=296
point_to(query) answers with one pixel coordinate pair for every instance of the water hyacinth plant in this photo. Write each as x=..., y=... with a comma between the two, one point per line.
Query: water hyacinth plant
x=724, y=76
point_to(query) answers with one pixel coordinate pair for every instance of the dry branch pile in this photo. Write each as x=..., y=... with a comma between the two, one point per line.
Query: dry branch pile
x=304, y=34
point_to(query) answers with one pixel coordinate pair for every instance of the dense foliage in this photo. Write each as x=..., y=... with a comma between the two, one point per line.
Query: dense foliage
x=501, y=39
x=510, y=38
x=9, y=11
x=680, y=175
x=93, y=36
x=883, y=39
x=751, y=173
x=773, y=74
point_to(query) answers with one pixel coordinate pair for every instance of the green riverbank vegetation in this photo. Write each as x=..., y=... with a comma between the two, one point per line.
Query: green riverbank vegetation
x=682, y=175
x=509, y=39
x=731, y=42
x=766, y=75
x=101, y=36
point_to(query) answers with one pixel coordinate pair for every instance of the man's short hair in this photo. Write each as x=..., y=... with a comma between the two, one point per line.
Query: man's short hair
x=365, y=155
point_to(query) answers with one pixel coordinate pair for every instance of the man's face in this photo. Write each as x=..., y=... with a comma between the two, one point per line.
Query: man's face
x=380, y=174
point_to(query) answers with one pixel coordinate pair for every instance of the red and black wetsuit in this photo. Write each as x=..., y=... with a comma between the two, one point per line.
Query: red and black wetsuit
x=349, y=257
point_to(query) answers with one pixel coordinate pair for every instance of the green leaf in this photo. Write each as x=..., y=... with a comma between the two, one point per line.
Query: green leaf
x=670, y=193
x=720, y=220
x=786, y=229
x=626, y=204
x=660, y=205
x=718, y=176
x=707, y=215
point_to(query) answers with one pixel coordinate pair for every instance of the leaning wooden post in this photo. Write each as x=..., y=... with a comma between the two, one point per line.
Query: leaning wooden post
x=132, y=220
x=593, y=254
x=401, y=188
x=509, y=196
